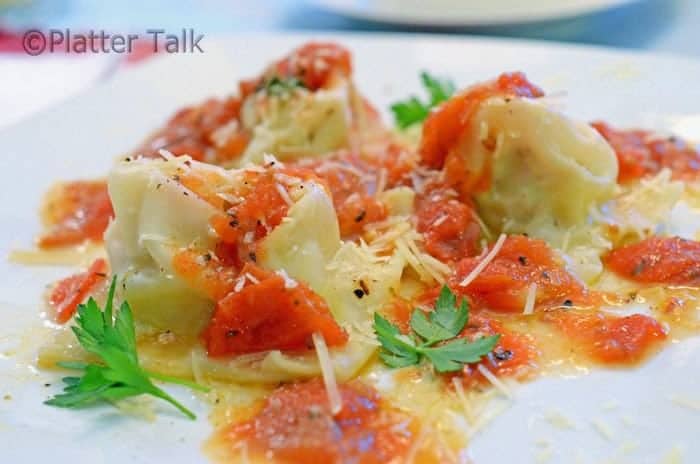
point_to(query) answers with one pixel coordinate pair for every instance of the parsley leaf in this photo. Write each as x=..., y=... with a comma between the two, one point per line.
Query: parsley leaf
x=113, y=340
x=413, y=110
x=281, y=86
x=433, y=337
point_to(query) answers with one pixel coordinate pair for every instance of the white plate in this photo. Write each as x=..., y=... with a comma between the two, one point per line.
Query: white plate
x=465, y=12
x=79, y=139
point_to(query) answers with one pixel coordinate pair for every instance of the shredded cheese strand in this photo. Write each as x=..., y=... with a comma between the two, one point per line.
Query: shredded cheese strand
x=466, y=407
x=495, y=381
x=530, y=300
x=327, y=372
x=484, y=262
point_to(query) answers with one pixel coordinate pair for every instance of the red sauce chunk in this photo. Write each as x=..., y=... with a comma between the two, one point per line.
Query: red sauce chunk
x=449, y=226
x=641, y=153
x=514, y=356
x=193, y=131
x=503, y=284
x=260, y=210
x=659, y=260
x=608, y=339
x=76, y=212
x=71, y=291
x=295, y=425
x=451, y=121
x=316, y=64
x=269, y=313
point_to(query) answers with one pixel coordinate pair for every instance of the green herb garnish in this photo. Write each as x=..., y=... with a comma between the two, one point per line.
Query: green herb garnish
x=433, y=337
x=113, y=340
x=413, y=110
x=280, y=86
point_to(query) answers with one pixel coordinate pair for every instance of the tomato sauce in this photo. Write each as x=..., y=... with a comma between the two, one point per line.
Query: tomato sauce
x=295, y=425
x=315, y=64
x=607, y=339
x=451, y=121
x=514, y=356
x=269, y=313
x=449, y=225
x=71, y=291
x=660, y=260
x=192, y=131
x=76, y=211
x=503, y=284
x=242, y=225
x=641, y=153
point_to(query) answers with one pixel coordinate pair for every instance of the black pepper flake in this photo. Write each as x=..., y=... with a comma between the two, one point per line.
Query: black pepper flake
x=232, y=333
x=545, y=275
x=358, y=292
x=176, y=178
x=360, y=217
x=523, y=260
x=568, y=303
x=233, y=223
x=206, y=257
x=186, y=194
x=253, y=257
x=47, y=384
x=639, y=268
x=158, y=186
x=502, y=355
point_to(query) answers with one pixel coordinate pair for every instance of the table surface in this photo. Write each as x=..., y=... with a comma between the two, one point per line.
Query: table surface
x=668, y=26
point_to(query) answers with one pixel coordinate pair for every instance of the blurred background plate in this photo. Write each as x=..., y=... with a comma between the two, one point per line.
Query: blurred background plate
x=466, y=12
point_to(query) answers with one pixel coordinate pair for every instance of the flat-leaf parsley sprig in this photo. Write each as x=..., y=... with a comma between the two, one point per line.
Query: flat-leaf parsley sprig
x=433, y=337
x=113, y=340
x=413, y=110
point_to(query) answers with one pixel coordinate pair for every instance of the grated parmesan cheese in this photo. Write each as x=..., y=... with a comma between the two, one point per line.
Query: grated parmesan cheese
x=484, y=262
x=288, y=281
x=327, y=372
x=530, y=300
x=284, y=194
x=252, y=278
x=495, y=381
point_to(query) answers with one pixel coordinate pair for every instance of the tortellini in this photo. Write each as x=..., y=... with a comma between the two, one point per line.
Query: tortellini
x=547, y=171
x=298, y=123
x=156, y=216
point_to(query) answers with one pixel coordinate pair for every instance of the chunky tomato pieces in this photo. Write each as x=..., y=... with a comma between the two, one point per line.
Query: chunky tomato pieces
x=76, y=212
x=194, y=131
x=503, y=285
x=295, y=425
x=71, y=291
x=641, y=153
x=261, y=209
x=269, y=313
x=660, y=260
x=514, y=356
x=449, y=226
x=315, y=64
x=446, y=125
x=608, y=339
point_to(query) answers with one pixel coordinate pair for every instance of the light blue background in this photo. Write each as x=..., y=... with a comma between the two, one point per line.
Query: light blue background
x=670, y=26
